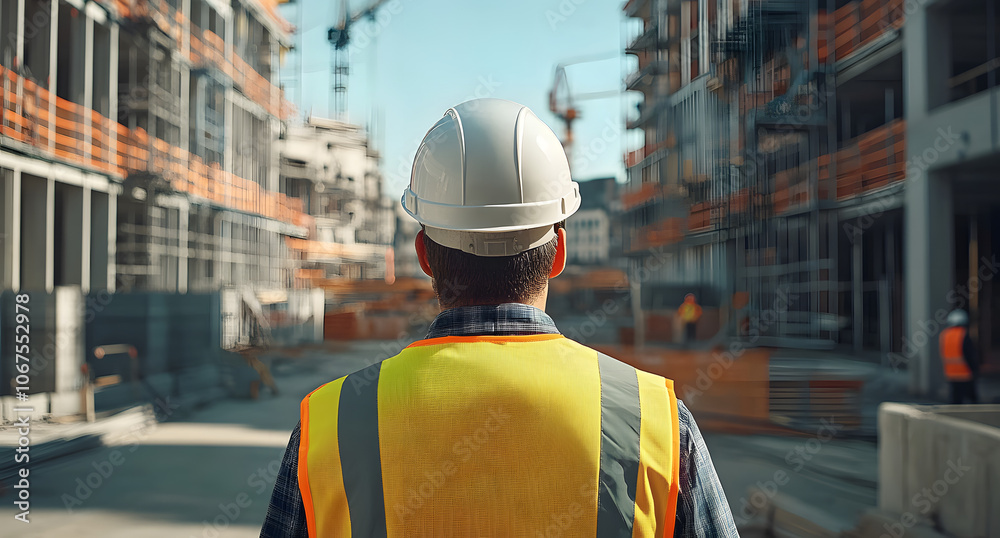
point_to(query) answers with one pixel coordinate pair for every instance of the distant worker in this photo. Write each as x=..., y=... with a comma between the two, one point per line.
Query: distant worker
x=690, y=313
x=959, y=359
x=495, y=424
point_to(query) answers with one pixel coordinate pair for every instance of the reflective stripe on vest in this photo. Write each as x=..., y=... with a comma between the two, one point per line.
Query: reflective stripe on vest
x=470, y=436
x=953, y=356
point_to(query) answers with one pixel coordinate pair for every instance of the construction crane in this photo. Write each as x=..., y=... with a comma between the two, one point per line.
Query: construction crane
x=562, y=100
x=339, y=37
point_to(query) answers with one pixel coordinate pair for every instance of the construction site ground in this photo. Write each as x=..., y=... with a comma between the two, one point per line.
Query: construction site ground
x=208, y=471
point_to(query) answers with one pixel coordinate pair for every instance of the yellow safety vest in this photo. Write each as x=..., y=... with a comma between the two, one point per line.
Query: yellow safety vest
x=530, y=436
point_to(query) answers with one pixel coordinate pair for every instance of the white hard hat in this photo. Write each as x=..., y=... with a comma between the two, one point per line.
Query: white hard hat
x=491, y=179
x=958, y=317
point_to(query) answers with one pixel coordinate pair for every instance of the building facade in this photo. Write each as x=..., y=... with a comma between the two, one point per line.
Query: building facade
x=138, y=146
x=140, y=199
x=782, y=158
x=331, y=167
x=590, y=231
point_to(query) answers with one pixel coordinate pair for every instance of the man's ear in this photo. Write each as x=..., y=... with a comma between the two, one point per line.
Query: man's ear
x=418, y=243
x=560, y=262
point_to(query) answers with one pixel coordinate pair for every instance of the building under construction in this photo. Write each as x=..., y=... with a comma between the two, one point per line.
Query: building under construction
x=143, y=202
x=781, y=159
x=138, y=146
x=332, y=168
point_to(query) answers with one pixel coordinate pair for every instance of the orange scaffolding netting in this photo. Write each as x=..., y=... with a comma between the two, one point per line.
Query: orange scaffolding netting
x=84, y=137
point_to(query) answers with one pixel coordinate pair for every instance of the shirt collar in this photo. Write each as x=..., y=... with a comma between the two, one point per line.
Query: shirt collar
x=502, y=319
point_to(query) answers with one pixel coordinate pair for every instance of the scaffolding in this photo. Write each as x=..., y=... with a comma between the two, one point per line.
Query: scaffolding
x=754, y=161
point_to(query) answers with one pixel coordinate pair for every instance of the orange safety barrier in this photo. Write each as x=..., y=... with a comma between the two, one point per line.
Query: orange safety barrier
x=700, y=217
x=115, y=149
x=872, y=160
x=858, y=23
x=635, y=198
x=633, y=158
x=206, y=47
x=729, y=392
x=664, y=232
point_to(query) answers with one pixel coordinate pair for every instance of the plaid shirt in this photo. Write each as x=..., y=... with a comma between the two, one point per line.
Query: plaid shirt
x=702, y=509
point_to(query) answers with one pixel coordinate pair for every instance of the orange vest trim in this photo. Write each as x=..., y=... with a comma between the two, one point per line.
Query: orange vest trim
x=493, y=339
x=301, y=471
x=952, y=356
x=675, y=468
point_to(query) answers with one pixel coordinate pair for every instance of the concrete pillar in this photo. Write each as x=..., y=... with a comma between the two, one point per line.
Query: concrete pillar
x=227, y=159
x=85, y=221
x=69, y=344
x=53, y=68
x=19, y=47
x=88, y=82
x=930, y=263
x=50, y=233
x=186, y=28
x=185, y=140
x=112, y=239
x=182, y=249
x=113, y=92
x=937, y=56
x=928, y=216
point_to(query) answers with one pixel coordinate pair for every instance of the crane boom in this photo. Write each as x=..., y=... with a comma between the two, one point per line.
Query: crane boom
x=562, y=100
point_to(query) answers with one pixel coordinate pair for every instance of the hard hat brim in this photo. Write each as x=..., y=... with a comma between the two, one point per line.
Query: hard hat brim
x=491, y=218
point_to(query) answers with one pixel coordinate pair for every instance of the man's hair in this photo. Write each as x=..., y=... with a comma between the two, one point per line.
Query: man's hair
x=463, y=279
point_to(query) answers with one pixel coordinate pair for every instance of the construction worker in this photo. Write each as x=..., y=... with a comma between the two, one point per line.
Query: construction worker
x=495, y=424
x=690, y=313
x=958, y=357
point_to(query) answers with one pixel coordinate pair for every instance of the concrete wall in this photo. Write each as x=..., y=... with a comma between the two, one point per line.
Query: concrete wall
x=936, y=137
x=55, y=350
x=170, y=331
x=939, y=466
x=176, y=337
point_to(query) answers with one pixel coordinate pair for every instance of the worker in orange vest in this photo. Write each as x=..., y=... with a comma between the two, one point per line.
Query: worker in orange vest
x=690, y=313
x=958, y=357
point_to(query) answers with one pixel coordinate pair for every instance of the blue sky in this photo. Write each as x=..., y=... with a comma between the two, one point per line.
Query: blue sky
x=428, y=55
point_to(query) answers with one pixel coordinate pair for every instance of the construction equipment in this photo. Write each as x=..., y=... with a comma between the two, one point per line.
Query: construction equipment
x=339, y=37
x=562, y=101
